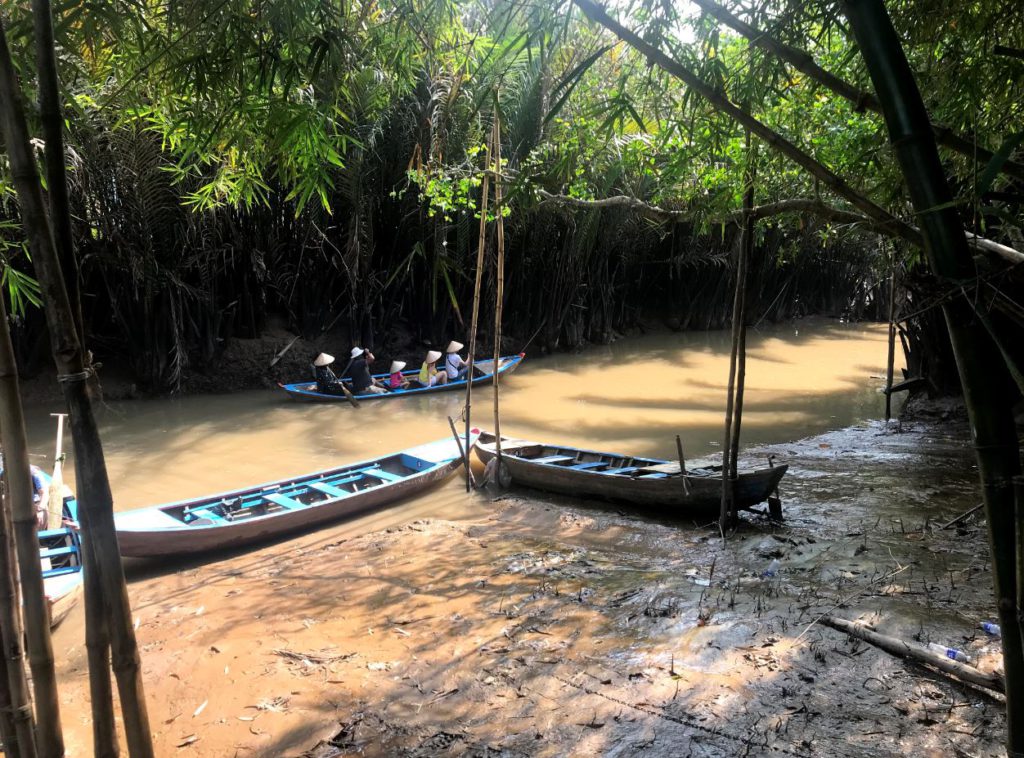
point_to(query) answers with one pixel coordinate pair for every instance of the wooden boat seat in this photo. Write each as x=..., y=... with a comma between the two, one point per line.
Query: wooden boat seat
x=284, y=501
x=652, y=475
x=552, y=459
x=53, y=552
x=198, y=513
x=588, y=465
x=383, y=475
x=626, y=470
x=329, y=489
x=47, y=573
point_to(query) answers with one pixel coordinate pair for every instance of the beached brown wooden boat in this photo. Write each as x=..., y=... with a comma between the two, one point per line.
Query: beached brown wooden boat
x=643, y=481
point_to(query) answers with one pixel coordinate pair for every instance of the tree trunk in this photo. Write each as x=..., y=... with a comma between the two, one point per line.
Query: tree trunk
x=25, y=520
x=979, y=362
x=103, y=563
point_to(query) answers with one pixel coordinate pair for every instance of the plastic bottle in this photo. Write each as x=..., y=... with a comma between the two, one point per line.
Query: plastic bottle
x=772, y=570
x=989, y=628
x=950, y=652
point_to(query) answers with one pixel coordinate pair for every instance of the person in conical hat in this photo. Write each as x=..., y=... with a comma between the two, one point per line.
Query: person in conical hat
x=429, y=375
x=363, y=382
x=396, y=381
x=454, y=366
x=327, y=382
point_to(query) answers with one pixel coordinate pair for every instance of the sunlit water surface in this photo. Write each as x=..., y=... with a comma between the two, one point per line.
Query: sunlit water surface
x=633, y=396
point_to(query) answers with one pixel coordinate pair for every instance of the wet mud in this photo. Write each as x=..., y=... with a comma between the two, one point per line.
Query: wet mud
x=544, y=626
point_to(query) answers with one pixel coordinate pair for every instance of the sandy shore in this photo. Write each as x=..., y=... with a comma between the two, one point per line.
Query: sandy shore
x=548, y=627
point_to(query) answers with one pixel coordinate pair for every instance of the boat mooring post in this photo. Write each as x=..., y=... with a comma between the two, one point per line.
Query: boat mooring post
x=464, y=453
x=476, y=306
x=682, y=465
x=499, y=294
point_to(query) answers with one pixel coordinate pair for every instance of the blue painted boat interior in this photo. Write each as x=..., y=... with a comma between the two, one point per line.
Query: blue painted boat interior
x=62, y=547
x=307, y=492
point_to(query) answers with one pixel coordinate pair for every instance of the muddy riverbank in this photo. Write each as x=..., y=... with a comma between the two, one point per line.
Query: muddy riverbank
x=538, y=626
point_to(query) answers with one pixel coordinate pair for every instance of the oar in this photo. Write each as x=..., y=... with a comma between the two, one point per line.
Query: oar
x=682, y=465
x=55, y=497
x=345, y=391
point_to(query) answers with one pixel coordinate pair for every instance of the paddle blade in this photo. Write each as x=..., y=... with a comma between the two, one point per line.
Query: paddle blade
x=55, y=498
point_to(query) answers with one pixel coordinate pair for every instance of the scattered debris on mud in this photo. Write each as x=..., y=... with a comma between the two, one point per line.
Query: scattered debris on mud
x=559, y=628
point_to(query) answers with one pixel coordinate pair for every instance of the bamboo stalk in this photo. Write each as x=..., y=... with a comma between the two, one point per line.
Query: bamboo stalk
x=7, y=733
x=499, y=297
x=25, y=520
x=916, y=652
x=104, y=576
x=53, y=136
x=979, y=362
x=484, y=192
x=11, y=634
x=721, y=103
x=803, y=62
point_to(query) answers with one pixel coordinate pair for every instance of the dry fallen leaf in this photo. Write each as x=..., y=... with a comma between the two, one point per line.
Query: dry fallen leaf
x=188, y=740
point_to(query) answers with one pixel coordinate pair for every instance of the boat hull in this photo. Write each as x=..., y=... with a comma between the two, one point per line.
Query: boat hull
x=306, y=391
x=159, y=531
x=701, y=496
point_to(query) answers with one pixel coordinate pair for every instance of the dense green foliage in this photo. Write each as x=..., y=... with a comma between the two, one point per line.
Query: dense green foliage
x=232, y=160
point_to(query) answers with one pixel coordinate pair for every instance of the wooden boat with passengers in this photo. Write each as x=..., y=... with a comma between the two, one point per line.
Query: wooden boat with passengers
x=644, y=481
x=257, y=513
x=484, y=371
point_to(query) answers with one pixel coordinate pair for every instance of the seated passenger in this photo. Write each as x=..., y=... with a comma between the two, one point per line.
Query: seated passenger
x=327, y=382
x=396, y=381
x=40, y=498
x=429, y=376
x=455, y=367
x=359, y=373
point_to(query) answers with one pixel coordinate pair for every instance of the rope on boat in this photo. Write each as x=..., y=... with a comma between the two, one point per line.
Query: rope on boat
x=684, y=721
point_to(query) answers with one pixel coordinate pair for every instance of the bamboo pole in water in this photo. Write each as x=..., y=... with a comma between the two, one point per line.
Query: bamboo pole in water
x=499, y=297
x=105, y=589
x=25, y=520
x=23, y=744
x=979, y=362
x=476, y=303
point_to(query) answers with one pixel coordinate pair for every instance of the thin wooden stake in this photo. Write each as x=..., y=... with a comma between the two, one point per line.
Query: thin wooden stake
x=682, y=465
x=499, y=297
x=476, y=303
x=892, y=339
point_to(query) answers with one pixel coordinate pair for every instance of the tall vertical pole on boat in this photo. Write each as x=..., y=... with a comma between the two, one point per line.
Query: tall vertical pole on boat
x=892, y=337
x=55, y=502
x=499, y=297
x=476, y=303
x=738, y=357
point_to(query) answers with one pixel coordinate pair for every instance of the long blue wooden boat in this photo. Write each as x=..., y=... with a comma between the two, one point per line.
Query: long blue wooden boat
x=484, y=374
x=249, y=515
x=650, y=482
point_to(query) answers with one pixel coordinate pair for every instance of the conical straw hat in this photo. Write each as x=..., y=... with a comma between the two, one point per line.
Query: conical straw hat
x=396, y=366
x=323, y=360
x=454, y=347
x=432, y=356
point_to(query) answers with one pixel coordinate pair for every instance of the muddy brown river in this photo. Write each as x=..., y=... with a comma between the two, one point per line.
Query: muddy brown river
x=633, y=396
